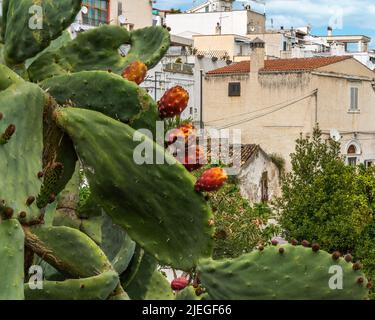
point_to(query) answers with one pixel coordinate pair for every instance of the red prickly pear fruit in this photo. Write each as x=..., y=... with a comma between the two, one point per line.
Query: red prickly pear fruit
x=173, y=102
x=135, y=72
x=179, y=283
x=348, y=258
x=336, y=255
x=185, y=133
x=40, y=174
x=294, y=242
x=357, y=266
x=305, y=243
x=194, y=158
x=211, y=180
x=274, y=242
x=315, y=247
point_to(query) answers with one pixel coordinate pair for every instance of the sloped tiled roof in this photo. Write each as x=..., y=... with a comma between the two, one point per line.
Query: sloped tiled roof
x=247, y=151
x=281, y=65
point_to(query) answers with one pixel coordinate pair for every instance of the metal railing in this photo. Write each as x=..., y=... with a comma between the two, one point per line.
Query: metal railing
x=178, y=68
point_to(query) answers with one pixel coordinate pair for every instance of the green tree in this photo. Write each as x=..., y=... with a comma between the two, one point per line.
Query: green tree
x=323, y=199
x=240, y=226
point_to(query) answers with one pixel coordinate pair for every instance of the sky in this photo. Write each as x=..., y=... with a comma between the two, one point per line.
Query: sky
x=346, y=16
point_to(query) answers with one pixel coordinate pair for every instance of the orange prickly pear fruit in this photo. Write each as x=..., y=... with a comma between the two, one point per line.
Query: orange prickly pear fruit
x=173, y=102
x=135, y=72
x=211, y=180
x=179, y=283
x=185, y=132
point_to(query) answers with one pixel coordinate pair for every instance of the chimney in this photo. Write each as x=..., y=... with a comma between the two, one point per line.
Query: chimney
x=257, y=56
x=329, y=31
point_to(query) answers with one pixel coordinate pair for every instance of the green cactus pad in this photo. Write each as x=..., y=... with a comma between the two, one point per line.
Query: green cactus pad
x=187, y=294
x=119, y=294
x=107, y=93
x=117, y=245
x=23, y=42
x=172, y=221
x=298, y=273
x=21, y=105
x=130, y=273
x=94, y=288
x=11, y=260
x=149, y=283
x=97, y=49
x=68, y=250
x=8, y=78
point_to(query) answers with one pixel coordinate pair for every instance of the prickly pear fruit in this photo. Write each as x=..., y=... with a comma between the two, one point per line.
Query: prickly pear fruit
x=185, y=133
x=173, y=102
x=135, y=72
x=194, y=158
x=179, y=283
x=211, y=180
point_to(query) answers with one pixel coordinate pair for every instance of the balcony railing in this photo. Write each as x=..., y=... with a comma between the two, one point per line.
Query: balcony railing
x=178, y=68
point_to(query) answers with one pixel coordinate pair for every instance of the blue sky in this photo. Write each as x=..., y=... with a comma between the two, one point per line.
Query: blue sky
x=346, y=16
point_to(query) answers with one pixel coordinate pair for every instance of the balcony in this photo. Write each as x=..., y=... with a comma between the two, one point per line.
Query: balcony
x=178, y=68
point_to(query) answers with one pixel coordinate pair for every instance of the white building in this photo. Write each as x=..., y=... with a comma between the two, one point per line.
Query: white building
x=238, y=22
x=181, y=66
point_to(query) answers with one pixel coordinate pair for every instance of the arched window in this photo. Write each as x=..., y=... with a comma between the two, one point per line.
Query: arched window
x=353, y=153
x=352, y=149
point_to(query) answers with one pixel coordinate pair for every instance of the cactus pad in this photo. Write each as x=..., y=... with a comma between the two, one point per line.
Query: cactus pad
x=94, y=288
x=68, y=250
x=22, y=106
x=97, y=49
x=11, y=260
x=281, y=272
x=22, y=40
x=107, y=93
x=173, y=221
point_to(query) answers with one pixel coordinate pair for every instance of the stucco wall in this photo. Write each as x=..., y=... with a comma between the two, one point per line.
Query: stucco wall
x=233, y=22
x=137, y=12
x=265, y=117
x=250, y=178
x=260, y=113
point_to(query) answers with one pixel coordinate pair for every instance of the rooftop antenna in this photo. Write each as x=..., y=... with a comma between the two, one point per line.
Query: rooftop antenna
x=248, y=2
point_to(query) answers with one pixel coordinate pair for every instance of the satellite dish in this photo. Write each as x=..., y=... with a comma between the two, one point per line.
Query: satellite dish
x=84, y=10
x=122, y=19
x=335, y=135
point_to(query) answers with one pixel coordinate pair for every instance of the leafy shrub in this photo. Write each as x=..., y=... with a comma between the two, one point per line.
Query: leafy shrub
x=240, y=226
x=323, y=199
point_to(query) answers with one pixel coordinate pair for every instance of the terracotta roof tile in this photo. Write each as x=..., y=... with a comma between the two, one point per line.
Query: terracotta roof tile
x=282, y=65
x=242, y=154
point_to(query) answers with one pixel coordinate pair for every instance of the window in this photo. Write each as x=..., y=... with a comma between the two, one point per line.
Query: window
x=352, y=161
x=353, y=99
x=352, y=155
x=234, y=89
x=264, y=186
x=119, y=8
x=98, y=12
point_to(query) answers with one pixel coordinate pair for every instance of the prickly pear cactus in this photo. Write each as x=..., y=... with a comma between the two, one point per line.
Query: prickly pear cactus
x=284, y=272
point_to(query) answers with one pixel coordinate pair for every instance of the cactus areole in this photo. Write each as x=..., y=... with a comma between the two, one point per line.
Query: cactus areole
x=77, y=204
